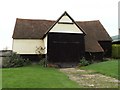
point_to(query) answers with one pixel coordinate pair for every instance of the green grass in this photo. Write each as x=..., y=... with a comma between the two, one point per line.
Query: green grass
x=35, y=77
x=109, y=68
x=0, y=78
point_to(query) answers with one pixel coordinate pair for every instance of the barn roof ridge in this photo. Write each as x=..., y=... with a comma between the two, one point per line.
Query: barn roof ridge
x=23, y=19
x=34, y=19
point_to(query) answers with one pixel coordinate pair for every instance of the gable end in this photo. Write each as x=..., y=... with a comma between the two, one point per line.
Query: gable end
x=65, y=18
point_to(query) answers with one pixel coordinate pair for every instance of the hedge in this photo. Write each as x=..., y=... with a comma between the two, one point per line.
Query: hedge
x=116, y=51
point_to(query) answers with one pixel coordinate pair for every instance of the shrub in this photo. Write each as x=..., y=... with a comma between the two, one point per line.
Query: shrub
x=116, y=51
x=43, y=62
x=14, y=60
x=40, y=51
x=84, y=62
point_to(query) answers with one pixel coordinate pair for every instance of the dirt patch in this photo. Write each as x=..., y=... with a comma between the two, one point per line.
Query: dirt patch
x=90, y=79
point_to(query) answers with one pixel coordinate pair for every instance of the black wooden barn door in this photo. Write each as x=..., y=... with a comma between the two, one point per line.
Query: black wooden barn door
x=64, y=47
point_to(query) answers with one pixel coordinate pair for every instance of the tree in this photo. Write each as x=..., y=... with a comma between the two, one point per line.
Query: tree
x=40, y=51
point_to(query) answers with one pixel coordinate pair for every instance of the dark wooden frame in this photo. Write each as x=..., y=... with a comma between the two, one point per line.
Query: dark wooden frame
x=65, y=47
x=107, y=47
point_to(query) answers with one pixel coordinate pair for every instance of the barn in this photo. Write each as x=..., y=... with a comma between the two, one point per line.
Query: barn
x=63, y=40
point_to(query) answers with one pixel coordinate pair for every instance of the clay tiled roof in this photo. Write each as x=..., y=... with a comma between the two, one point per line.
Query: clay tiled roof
x=95, y=32
x=31, y=29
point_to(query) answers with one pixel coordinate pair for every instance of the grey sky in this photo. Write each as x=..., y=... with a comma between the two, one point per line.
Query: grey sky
x=80, y=10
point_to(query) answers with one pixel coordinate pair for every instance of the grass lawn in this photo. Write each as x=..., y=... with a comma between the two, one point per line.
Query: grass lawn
x=109, y=68
x=35, y=77
x=0, y=78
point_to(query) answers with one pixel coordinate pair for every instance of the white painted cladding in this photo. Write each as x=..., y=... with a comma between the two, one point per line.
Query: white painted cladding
x=65, y=19
x=27, y=46
x=45, y=44
x=65, y=28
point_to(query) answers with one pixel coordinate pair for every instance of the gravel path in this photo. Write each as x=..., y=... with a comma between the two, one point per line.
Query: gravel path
x=89, y=79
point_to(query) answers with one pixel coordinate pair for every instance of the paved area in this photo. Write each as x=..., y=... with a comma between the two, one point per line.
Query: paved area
x=90, y=79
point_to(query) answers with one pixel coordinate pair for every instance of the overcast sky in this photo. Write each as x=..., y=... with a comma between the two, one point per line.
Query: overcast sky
x=80, y=10
x=119, y=15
